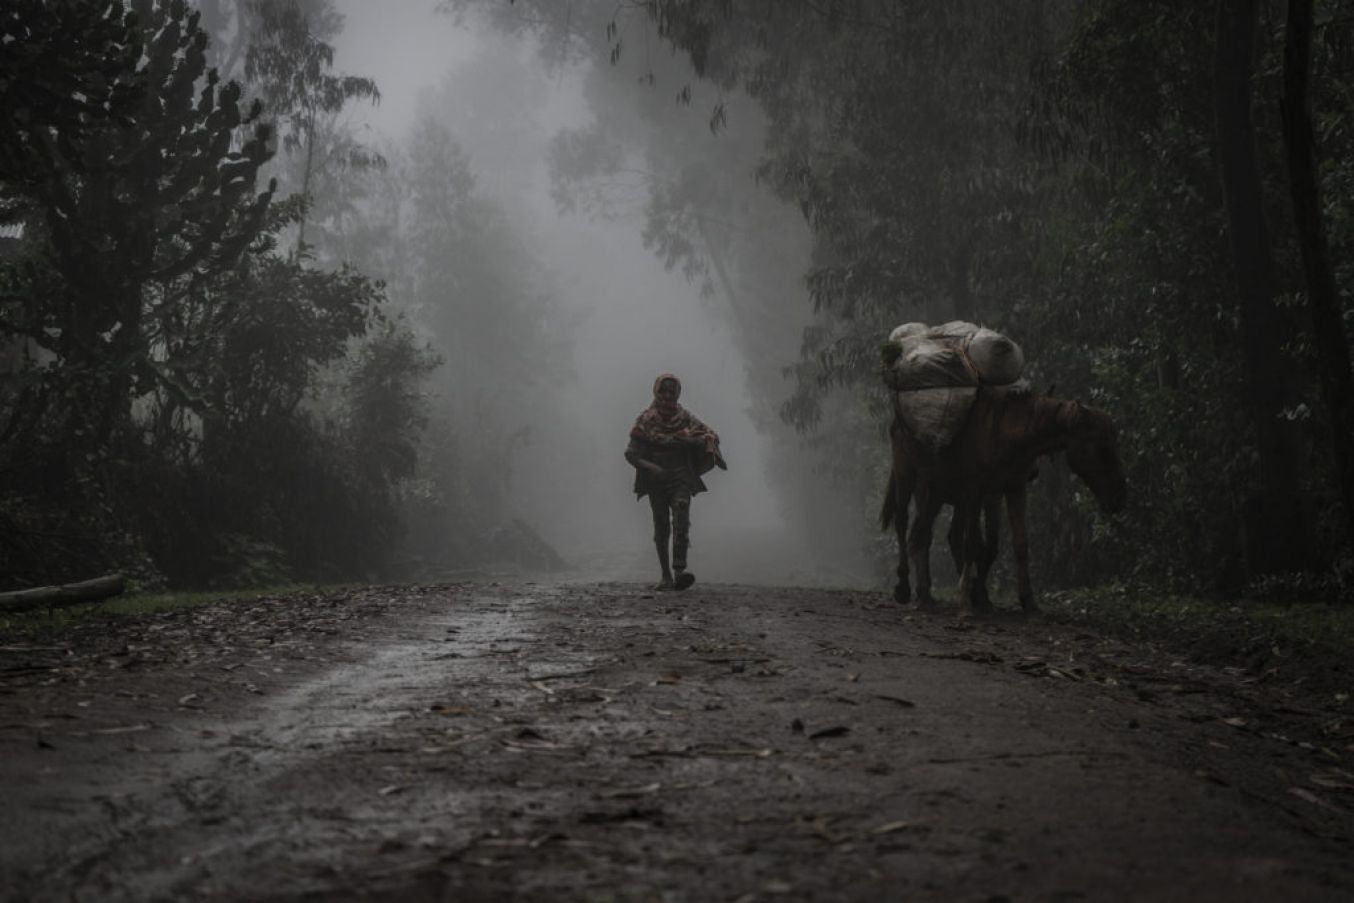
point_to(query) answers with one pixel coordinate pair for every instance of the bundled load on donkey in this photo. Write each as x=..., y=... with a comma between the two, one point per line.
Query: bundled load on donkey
x=935, y=372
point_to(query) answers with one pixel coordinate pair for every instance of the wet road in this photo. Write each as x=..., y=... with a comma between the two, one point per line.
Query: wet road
x=597, y=742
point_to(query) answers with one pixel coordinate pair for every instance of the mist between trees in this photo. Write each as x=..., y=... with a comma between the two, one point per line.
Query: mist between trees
x=244, y=341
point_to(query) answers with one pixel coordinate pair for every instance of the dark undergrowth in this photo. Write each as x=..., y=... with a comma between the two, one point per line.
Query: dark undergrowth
x=53, y=622
x=1277, y=639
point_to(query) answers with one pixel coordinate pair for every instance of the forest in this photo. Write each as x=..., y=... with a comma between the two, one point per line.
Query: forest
x=224, y=310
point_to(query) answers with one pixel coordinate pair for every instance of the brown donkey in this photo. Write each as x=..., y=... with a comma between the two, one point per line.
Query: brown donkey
x=992, y=458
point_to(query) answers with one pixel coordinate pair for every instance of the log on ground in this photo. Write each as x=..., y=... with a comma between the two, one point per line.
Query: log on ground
x=60, y=596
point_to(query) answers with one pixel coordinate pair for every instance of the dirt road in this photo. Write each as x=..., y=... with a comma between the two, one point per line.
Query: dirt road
x=597, y=742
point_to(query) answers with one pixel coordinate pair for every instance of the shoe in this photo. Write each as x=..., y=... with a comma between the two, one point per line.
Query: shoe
x=664, y=585
x=684, y=580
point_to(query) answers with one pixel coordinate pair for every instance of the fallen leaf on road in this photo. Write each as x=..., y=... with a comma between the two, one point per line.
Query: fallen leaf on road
x=129, y=729
x=980, y=656
x=890, y=827
x=898, y=700
x=755, y=753
x=391, y=790
x=621, y=793
x=827, y=732
x=510, y=744
x=1306, y=795
x=1338, y=779
x=562, y=675
x=1235, y=722
x=631, y=814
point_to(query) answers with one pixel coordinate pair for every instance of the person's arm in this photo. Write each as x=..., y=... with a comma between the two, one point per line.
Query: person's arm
x=638, y=461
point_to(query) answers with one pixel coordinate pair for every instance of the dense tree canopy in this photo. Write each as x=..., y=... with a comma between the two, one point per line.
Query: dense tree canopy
x=1156, y=199
x=164, y=360
x=1105, y=181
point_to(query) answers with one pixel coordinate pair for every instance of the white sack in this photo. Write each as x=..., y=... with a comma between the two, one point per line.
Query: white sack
x=927, y=364
x=907, y=331
x=998, y=360
x=955, y=332
x=935, y=416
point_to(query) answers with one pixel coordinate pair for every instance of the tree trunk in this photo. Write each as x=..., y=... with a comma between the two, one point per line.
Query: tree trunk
x=1277, y=532
x=961, y=292
x=1323, y=299
x=58, y=596
x=305, y=183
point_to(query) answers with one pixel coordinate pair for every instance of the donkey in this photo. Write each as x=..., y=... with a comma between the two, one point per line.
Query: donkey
x=991, y=460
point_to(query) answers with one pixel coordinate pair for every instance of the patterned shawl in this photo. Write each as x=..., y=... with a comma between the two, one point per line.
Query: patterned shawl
x=660, y=427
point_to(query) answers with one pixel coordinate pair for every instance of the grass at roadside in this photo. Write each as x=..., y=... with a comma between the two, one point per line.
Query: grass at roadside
x=1305, y=643
x=53, y=621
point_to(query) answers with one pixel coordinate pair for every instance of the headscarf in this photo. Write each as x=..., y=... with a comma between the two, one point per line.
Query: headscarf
x=659, y=424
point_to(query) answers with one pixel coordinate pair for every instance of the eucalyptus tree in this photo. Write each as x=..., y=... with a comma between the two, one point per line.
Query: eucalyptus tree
x=289, y=63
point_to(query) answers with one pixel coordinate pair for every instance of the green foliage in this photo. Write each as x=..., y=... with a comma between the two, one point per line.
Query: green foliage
x=288, y=63
x=68, y=67
x=1049, y=169
x=51, y=624
x=166, y=415
x=1294, y=639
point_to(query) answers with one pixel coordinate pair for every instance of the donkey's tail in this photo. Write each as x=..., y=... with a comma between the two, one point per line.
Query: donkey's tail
x=890, y=507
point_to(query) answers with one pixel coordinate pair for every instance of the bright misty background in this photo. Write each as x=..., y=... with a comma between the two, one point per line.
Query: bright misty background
x=619, y=314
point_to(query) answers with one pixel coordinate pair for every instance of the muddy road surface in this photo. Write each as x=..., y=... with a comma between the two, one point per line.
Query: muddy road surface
x=523, y=741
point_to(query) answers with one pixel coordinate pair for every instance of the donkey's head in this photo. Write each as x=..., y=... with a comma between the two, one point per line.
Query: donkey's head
x=1093, y=454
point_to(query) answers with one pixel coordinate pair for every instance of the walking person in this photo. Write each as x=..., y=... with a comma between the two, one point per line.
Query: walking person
x=670, y=449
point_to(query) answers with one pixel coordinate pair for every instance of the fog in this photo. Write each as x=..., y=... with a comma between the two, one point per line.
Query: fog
x=620, y=313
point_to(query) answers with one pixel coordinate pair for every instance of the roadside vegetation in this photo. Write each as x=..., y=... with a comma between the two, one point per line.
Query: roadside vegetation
x=51, y=623
x=1282, y=637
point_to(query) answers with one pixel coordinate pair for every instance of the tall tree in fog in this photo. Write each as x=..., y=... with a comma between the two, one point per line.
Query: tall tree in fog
x=477, y=295
x=289, y=63
x=457, y=270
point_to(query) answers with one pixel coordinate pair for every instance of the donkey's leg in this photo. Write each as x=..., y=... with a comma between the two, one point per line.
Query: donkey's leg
x=991, y=511
x=956, y=539
x=966, y=512
x=1020, y=543
x=902, y=487
x=919, y=542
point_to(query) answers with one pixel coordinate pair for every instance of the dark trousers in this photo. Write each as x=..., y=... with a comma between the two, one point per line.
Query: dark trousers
x=672, y=519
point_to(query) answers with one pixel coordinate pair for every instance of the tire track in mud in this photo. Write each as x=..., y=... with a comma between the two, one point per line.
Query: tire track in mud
x=599, y=742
